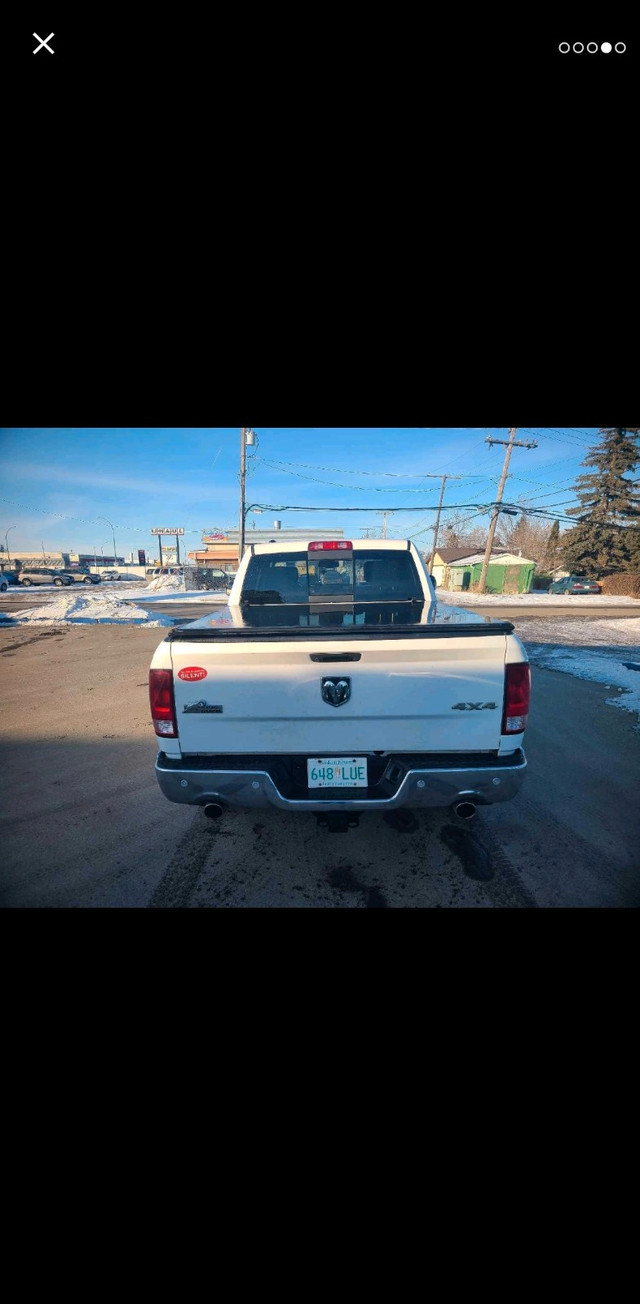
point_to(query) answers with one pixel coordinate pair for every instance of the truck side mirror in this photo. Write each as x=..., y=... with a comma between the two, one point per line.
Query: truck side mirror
x=434, y=582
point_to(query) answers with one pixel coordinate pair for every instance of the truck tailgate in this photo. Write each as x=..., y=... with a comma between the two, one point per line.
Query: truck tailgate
x=436, y=694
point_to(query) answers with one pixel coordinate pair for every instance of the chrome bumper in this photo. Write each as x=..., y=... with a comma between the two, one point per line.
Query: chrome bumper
x=419, y=788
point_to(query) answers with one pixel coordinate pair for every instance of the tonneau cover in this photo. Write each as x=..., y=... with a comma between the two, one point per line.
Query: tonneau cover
x=349, y=621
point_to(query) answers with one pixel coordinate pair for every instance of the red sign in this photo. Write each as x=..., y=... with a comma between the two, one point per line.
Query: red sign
x=192, y=674
x=142, y=557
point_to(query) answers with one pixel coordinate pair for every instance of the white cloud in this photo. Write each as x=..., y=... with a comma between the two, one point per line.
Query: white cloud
x=135, y=484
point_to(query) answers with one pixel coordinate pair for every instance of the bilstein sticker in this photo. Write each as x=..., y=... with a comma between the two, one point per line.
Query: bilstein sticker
x=192, y=674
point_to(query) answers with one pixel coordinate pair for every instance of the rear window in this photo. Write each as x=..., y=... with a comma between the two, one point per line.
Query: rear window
x=293, y=578
x=377, y=587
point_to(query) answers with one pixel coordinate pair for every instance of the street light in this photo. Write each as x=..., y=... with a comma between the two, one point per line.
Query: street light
x=108, y=522
x=6, y=540
x=95, y=554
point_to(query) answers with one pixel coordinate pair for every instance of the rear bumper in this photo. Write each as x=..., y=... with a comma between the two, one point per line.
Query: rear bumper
x=194, y=781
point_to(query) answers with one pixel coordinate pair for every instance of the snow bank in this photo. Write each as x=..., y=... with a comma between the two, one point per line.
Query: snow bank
x=87, y=609
x=167, y=583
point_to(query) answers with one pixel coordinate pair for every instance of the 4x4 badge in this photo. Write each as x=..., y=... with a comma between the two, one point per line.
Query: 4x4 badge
x=475, y=706
x=202, y=708
x=335, y=692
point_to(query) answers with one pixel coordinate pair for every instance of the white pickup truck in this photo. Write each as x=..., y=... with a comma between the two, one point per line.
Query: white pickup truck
x=334, y=683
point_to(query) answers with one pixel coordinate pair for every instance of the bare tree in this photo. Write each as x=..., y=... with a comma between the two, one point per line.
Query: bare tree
x=458, y=532
x=526, y=535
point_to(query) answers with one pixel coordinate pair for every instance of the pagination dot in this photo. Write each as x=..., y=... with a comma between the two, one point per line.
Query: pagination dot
x=606, y=47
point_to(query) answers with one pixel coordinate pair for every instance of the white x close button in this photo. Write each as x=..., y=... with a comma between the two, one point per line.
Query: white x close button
x=43, y=43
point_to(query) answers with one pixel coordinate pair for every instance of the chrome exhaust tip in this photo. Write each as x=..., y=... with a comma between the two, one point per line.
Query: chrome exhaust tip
x=465, y=810
x=213, y=810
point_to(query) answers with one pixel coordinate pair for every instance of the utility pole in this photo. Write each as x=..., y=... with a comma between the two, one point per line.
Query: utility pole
x=510, y=445
x=437, y=525
x=247, y=436
x=384, y=522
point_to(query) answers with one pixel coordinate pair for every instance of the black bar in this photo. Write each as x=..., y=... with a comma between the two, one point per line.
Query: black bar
x=187, y=634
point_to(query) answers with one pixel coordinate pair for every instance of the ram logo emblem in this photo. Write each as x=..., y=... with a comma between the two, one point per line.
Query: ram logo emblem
x=336, y=691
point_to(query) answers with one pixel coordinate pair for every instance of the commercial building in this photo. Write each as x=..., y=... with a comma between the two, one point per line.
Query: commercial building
x=42, y=558
x=97, y=559
x=221, y=551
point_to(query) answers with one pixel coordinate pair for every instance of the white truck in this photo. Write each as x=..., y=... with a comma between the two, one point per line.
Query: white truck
x=334, y=683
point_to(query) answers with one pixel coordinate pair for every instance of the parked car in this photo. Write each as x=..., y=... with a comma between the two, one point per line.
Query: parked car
x=112, y=575
x=6, y=578
x=573, y=586
x=44, y=575
x=83, y=576
x=164, y=570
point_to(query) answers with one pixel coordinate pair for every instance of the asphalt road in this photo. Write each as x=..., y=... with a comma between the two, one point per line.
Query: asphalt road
x=83, y=822
x=181, y=611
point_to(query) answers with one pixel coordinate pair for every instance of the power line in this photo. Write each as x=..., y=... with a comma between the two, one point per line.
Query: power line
x=376, y=489
x=398, y=475
x=556, y=436
x=282, y=507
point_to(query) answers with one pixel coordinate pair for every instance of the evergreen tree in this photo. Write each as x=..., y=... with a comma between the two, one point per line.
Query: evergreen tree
x=552, y=558
x=603, y=538
x=633, y=540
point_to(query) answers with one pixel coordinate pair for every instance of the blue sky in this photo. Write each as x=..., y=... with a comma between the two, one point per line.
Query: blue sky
x=56, y=483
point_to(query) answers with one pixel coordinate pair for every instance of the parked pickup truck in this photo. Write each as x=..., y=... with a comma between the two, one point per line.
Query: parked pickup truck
x=334, y=683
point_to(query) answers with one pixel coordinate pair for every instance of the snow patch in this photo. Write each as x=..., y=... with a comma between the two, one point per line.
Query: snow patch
x=461, y=598
x=599, y=650
x=603, y=668
x=583, y=633
x=190, y=595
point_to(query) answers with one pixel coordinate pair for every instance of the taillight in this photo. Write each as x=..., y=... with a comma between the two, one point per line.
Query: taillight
x=163, y=709
x=516, y=698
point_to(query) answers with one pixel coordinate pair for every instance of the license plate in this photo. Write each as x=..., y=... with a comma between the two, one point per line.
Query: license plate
x=338, y=773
